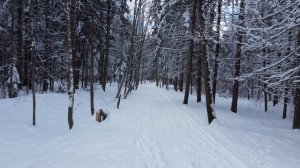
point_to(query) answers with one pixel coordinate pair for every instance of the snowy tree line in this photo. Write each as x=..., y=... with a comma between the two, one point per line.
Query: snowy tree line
x=237, y=48
x=234, y=48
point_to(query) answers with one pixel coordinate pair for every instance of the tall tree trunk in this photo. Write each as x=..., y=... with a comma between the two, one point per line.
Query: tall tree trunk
x=91, y=65
x=130, y=61
x=77, y=62
x=107, y=45
x=91, y=57
x=205, y=66
x=75, y=45
x=47, y=47
x=176, y=83
x=296, y=122
x=142, y=70
x=218, y=46
x=71, y=88
x=20, y=46
x=265, y=87
x=235, y=90
x=156, y=62
x=285, y=102
x=191, y=53
x=32, y=69
x=286, y=89
x=86, y=75
x=166, y=73
x=275, y=99
x=139, y=71
x=12, y=50
x=181, y=82
x=266, y=99
x=102, y=52
x=199, y=78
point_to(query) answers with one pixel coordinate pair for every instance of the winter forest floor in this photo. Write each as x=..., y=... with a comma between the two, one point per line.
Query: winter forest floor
x=152, y=129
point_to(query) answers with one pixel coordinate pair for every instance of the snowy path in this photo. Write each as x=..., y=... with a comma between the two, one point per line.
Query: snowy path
x=166, y=137
x=152, y=129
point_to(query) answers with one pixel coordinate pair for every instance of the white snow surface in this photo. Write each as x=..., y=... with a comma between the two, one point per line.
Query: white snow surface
x=152, y=129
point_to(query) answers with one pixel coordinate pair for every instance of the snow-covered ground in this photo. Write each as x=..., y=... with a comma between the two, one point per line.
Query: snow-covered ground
x=152, y=129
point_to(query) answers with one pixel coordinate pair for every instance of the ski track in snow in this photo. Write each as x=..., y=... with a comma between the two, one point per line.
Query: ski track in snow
x=152, y=129
x=199, y=141
x=188, y=140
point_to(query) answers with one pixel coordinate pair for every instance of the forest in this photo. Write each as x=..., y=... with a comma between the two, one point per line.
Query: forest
x=183, y=43
x=196, y=56
x=241, y=48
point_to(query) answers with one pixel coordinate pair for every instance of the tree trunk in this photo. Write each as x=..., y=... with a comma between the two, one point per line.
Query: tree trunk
x=77, y=62
x=199, y=78
x=191, y=53
x=266, y=100
x=218, y=46
x=181, y=82
x=264, y=84
x=20, y=45
x=86, y=75
x=156, y=66
x=31, y=54
x=70, y=65
x=91, y=57
x=176, y=84
x=275, y=99
x=206, y=71
x=238, y=56
x=91, y=77
x=140, y=53
x=47, y=47
x=75, y=45
x=107, y=45
x=12, y=50
x=286, y=89
x=296, y=122
x=285, y=101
